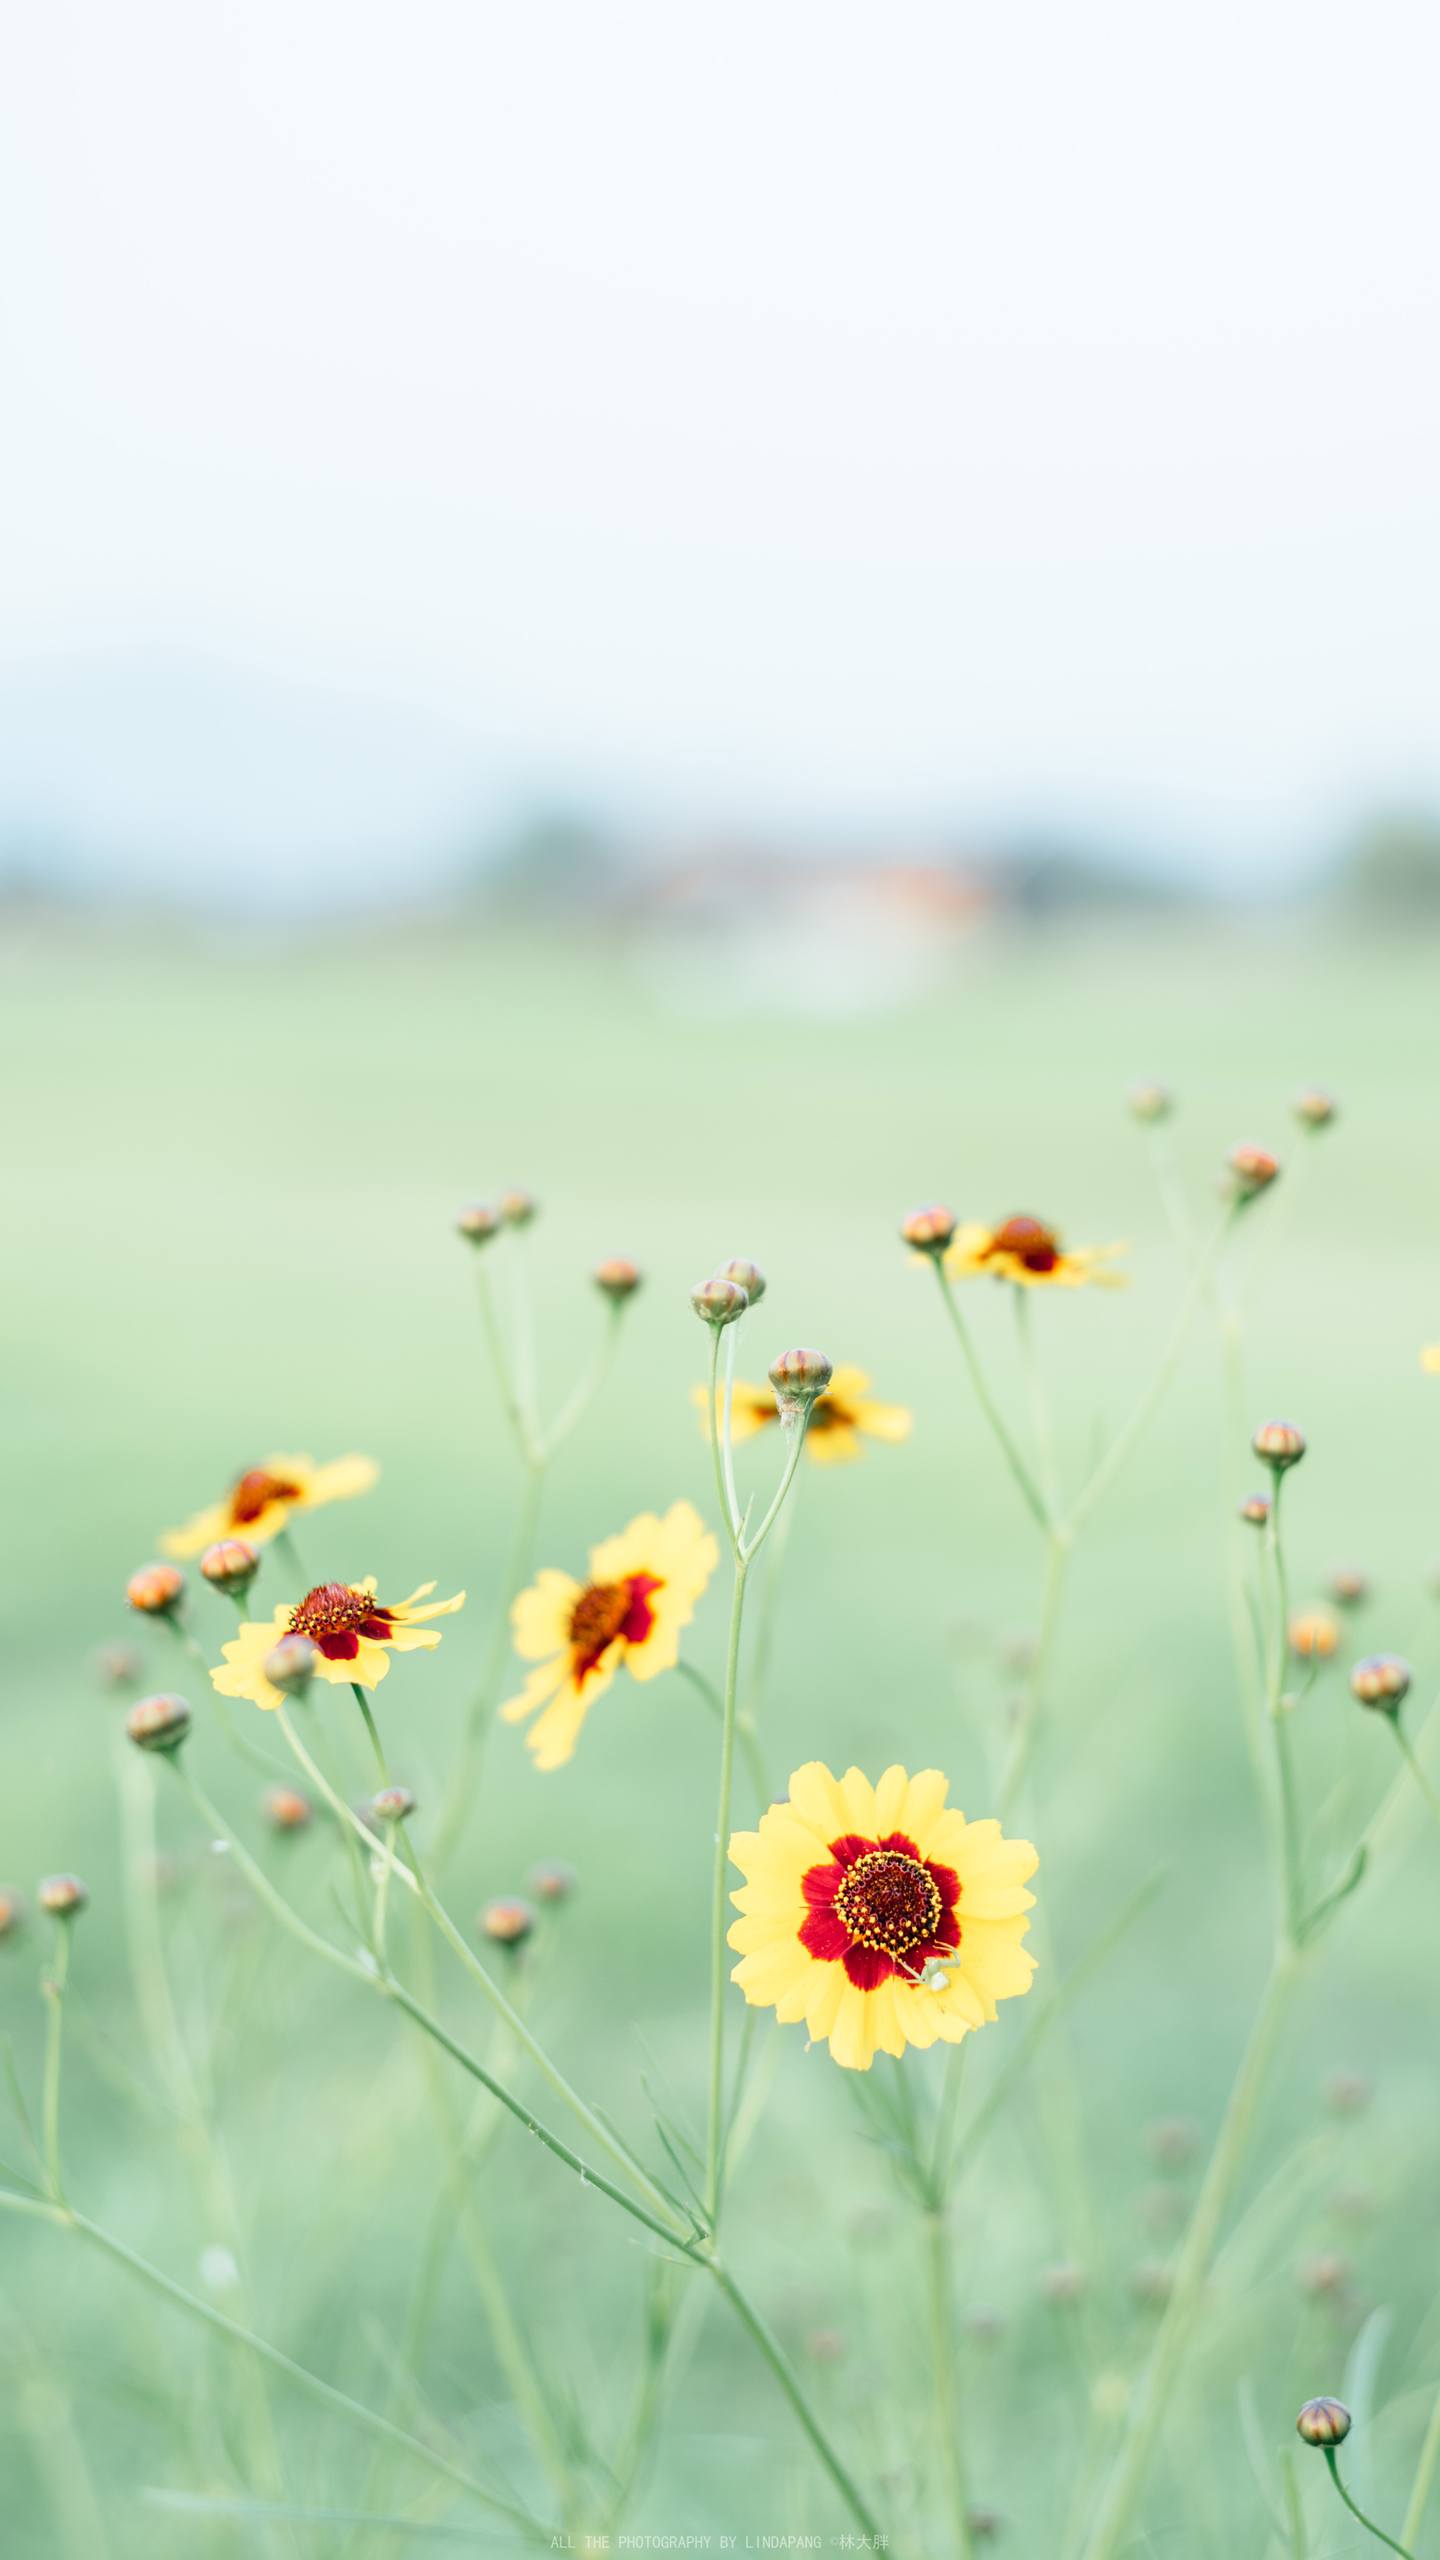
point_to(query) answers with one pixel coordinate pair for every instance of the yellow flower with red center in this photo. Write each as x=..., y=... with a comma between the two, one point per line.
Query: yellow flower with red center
x=641, y=1591
x=1028, y=1252
x=878, y=1914
x=845, y=1414
x=353, y=1633
x=261, y=1500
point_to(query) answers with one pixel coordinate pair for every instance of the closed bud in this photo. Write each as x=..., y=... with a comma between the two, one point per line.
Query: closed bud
x=478, y=1223
x=1280, y=1445
x=119, y=1666
x=1349, y=1586
x=1252, y=1169
x=1314, y=1635
x=392, y=1804
x=616, y=1279
x=1324, y=2275
x=798, y=1377
x=290, y=1665
x=552, y=1882
x=985, y=2524
x=159, y=1723
x=286, y=1809
x=62, y=1895
x=1347, y=2093
x=1314, y=1108
x=12, y=1911
x=1382, y=1680
x=746, y=1275
x=517, y=1208
x=1255, y=1509
x=1324, y=2422
x=1172, y=2141
x=928, y=1230
x=230, y=1565
x=156, y=1590
x=1151, y=1102
x=508, y=1921
x=718, y=1301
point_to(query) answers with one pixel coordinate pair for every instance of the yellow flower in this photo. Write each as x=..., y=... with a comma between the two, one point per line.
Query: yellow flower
x=839, y=1418
x=642, y=1590
x=878, y=1914
x=1032, y=1255
x=260, y=1502
x=1430, y=1359
x=353, y=1633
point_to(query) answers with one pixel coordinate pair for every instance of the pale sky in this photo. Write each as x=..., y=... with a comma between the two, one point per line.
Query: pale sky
x=909, y=417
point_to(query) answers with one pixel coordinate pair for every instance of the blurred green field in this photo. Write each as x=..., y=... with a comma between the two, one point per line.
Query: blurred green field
x=234, y=1165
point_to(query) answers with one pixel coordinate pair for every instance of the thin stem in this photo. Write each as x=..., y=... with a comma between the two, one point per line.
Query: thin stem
x=509, y=1395
x=1130, y=1432
x=1333, y=2467
x=1407, y=1752
x=578, y=1403
x=729, y=1509
x=776, y=2359
x=1039, y=1411
x=942, y=2352
x=461, y=1792
x=363, y=1703
x=1424, y=2475
x=715, y=2134
x=797, y=1429
x=54, y=1988
x=1192, y=2267
x=1057, y=1557
x=1030, y=1492
x=727, y=1424
x=1291, y=1878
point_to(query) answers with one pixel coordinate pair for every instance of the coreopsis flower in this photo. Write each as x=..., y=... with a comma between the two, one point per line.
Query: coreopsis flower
x=878, y=1914
x=1031, y=1254
x=259, y=1502
x=840, y=1419
x=353, y=1634
x=641, y=1590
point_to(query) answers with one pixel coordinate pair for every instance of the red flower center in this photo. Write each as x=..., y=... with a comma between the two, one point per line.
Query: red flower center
x=880, y=1909
x=889, y=1902
x=606, y=1610
x=334, y=1616
x=1026, y=1241
x=253, y=1493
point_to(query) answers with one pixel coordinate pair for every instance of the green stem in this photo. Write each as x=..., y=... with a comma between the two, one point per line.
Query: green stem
x=1424, y=2475
x=462, y=1789
x=1024, y=1480
x=1131, y=1431
x=729, y=1510
x=715, y=2134
x=578, y=1403
x=1197, y=2251
x=1333, y=2467
x=947, y=2407
x=778, y=2362
x=509, y=1395
x=54, y=2049
x=1040, y=1432
x=1291, y=1876
x=1407, y=1751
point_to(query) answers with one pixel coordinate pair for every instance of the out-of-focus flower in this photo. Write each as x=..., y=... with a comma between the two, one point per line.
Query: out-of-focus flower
x=552, y=1881
x=156, y=1590
x=1382, y=1680
x=260, y=1501
x=62, y=1896
x=1150, y=1102
x=286, y=1809
x=840, y=1419
x=392, y=1804
x=850, y=1913
x=616, y=1279
x=478, y=1223
x=641, y=1591
x=928, y=1230
x=517, y=1208
x=118, y=1665
x=1349, y=1586
x=1252, y=1170
x=12, y=1911
x=353, y=1634
x=1255, y=1509
x=508, y=1920
x=1280, y=1445
x=1314, y=1108
x=230, y=1565
x=1028, y=1252
x=1430, y=1359
x=1314, y=1634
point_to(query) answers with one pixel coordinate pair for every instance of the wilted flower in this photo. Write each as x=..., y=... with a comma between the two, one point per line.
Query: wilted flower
x=616, y=1279
x=1279, y=1444
x=159, y=1723
x=1028, y=1252
x=1314, y=1635
x=849, y=1913
x=641, y=1591
x=230, y=1565
x=353, y=1635
x=286, y=1809
x=928, y=1230
x=156, y=1590
x=508, y=1921
x=1151, y=1101
x=1324, y=2422
x=1382, y=1680
x=1252, y=1169
x=62, y=1895
x=264, y=1498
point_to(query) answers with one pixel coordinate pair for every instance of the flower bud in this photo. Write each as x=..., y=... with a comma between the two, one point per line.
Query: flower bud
x=1347, y=2093
x=746, y=1275
x=286, y=1809
x=119, y=1666
x=1326, y=2274
x=1382, y=1680
x=798, y=1377
x=392, y=1804
x=478, y=1223
x=1314, y=1635
x=928, y=1230
x=290, y=1665
x=1349, y=1586
x=1255, y=1509
x=985, y=2524
x=1280, y=1444
x=1252, y=1169
x=1324, y=2422
x=230, y=1565
x=517, y=1208
x=12, y=1911
x=1314, y=1108
x=1172, y=2141
x=62, y=1895
x=1151, y=1102
x=719, y=1302
x=616, y=1279
x=508, y=1921
x=552, y=1882
x=156, y=1590
x=159, y=1723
